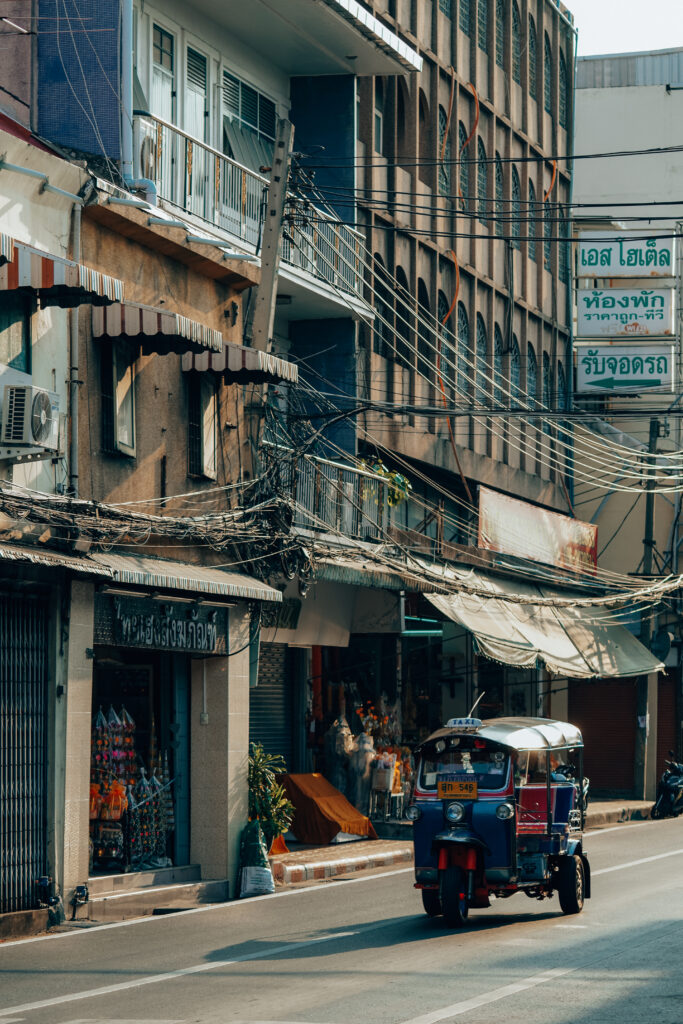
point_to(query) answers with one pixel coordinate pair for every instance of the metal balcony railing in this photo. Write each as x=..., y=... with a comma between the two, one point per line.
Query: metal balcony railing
x=332, y=497
x=201, y=180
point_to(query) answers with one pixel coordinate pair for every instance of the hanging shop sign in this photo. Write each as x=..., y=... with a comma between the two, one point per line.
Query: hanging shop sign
x=623, y=312
x=625, y=254
x=158, y=625
x=513, y=527
x=605, y=368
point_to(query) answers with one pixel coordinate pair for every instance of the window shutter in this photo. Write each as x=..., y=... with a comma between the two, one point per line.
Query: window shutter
x=266, y=117
x=231, y=95
x=249, y=105
x=196, y=69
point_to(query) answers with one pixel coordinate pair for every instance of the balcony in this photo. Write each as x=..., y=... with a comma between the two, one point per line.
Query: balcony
x=200, y=180
x=331, y=497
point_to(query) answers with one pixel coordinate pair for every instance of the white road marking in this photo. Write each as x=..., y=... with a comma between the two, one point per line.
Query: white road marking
x=182, y=972
x=636, y=863
x=314, y=888
x=571, y=925
x=617, y=828
x=466, y=1005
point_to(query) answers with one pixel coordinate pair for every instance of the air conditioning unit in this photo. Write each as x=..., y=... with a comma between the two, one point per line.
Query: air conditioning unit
x=30, y=417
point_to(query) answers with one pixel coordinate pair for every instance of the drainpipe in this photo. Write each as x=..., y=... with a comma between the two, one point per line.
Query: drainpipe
x=137, y=184
x=73, y=363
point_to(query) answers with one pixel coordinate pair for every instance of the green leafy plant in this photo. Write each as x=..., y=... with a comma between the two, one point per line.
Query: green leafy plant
x=399, y=487
x=267, y=799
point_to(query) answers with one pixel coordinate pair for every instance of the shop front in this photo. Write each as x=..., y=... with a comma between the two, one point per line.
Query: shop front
x=140, y=731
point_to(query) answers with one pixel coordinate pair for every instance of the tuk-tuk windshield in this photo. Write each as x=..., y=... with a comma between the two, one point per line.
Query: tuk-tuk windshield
x=464, y=756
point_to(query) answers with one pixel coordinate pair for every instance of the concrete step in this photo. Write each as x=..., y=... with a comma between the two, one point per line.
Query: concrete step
x=99, y=885
x=151, y=899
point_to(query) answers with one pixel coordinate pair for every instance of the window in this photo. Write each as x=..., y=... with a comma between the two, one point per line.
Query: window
x=516, y=44
x=500, y=33
x=515, y=374
x=563, y=86
x=515, y=208
x=547, y=237
x=117, y=385
x=425, y=343
x=195, y=99
x=464, y=167
x=446, y=7
x=564, y=252
x=533, y=73
x=446, y=360
x=465, y=20
x=15, y=330
x=482, y=183
x=249, y=123
x=499, y=197
x=480, y=373
x=444, y=155
x=379, y=116
x=483, y=25
x=531, y=376
x=382, y=328
x=163, y=74
x=463, y=350
x=497, y=367
x=202, y=417
x=547, y=389
x=532, y=248
x=425, y=141
x=404, y=320
x=562, y=395
x=547, y=76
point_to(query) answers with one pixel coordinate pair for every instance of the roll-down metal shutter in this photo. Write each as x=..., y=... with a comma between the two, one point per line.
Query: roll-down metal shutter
x=605, y=712
x=23, y=750
x=270, y=703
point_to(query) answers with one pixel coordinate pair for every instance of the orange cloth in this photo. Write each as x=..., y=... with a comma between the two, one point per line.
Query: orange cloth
x=321, y=811
x=278, y=845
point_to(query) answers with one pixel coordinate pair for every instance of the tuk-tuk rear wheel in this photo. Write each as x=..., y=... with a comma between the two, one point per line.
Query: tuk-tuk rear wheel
x=453, y=899
x=431, y=902
x=571, y=884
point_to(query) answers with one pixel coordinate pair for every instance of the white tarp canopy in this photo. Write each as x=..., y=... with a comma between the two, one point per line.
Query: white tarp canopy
x=571, y=641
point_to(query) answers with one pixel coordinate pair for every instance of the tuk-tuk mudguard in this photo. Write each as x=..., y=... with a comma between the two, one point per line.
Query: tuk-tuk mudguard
x=461, y=836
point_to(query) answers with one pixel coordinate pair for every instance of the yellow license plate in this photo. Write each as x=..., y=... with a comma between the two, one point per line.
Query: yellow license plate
x=446, y=790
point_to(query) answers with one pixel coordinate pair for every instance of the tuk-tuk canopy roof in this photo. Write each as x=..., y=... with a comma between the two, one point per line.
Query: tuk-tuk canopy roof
x=518, y=733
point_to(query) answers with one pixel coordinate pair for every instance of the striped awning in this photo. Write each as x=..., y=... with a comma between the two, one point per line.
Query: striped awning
x=56, y=281
x=242, y=365
x=156, y=330
x=6, y=249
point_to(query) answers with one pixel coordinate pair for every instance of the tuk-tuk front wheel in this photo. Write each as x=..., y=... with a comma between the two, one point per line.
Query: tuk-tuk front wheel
x=453, y=899
x=431, y=901
x=570, y=884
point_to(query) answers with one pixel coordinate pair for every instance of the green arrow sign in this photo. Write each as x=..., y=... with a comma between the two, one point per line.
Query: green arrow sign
x=610, y=383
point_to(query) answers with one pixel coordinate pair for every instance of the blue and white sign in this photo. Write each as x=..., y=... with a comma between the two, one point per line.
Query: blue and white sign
x=463, y=723
x=625, y=312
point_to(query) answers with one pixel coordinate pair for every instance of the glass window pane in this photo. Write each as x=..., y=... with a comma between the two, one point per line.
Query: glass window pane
x=124, y=400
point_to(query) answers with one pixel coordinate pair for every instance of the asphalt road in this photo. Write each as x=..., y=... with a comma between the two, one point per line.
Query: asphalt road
x=361, y=950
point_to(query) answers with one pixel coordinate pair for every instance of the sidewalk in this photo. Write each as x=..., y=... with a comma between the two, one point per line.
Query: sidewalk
x=394, y=846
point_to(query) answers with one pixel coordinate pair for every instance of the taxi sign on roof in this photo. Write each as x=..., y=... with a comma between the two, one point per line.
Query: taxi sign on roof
x=463, y=723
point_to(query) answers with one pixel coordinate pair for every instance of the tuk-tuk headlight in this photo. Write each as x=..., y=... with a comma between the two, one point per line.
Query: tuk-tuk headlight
x=455, y=812
x=505, y=812
x=413, y=812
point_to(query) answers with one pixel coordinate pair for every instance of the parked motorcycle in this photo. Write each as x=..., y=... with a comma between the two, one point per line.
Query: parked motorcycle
x=669, y=801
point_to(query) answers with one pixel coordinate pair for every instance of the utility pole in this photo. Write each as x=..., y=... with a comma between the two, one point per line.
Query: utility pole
x=264, y=308
x=640, y=761
x=266, y=293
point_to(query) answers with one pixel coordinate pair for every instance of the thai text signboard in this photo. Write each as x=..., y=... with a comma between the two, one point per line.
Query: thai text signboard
x=602, y=369
x=158, y=625
x=625, y=254
x=515, y=528
x=624, y=312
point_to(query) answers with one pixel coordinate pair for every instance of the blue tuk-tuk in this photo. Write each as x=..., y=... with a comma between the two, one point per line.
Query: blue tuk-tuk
x=499, y=808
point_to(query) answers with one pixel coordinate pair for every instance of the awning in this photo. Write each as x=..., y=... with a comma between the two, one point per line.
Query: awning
x=360, y=571
x=56, y=281
x=6, y=249
x=573, y=641
x=164, y=574
x=156, y=330
x=242, y=365
x=35, y=555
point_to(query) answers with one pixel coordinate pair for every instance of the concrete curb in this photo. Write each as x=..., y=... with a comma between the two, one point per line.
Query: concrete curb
x=286, y=874
x=617, y=815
